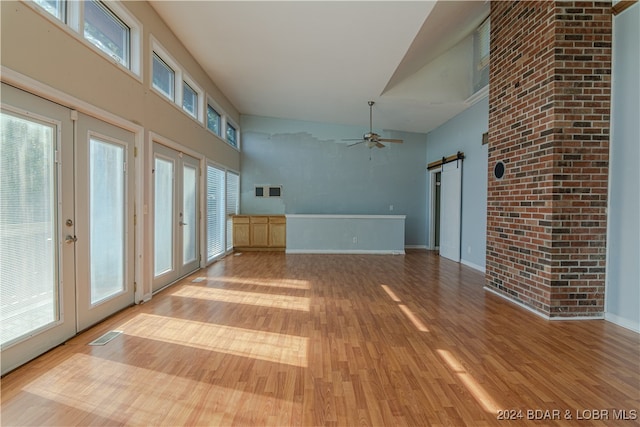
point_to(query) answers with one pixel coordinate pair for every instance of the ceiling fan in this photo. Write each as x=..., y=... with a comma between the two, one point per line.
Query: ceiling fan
x=371, y=138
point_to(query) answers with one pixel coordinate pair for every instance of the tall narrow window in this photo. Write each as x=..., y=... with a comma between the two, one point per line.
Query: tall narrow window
x=232, y=135
x=189, y=214
x=28, y=227
x=163, y=77
x=189, y=100
x=481, y=53
x=106, y=31
x=232, y=195
x=213, y=120
x=215, y=212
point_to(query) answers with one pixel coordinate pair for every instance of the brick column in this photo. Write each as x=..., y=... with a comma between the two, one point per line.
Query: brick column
x=549, y=106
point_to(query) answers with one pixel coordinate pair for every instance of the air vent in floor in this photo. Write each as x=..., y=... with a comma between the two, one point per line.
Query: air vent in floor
x=105, y=338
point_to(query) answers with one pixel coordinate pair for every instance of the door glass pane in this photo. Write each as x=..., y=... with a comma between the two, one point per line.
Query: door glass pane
x=28, y=238
x=163, y=217
x=215, y=212
x=106, y=219
x=189, y=209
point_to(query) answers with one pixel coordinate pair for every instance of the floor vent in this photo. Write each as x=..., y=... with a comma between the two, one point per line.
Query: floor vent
x=105, y=338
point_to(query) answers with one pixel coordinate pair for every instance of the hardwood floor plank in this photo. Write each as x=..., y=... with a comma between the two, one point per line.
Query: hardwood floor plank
x=329, y=340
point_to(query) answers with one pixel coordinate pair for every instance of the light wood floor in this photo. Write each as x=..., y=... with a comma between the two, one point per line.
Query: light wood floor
x=274, y=339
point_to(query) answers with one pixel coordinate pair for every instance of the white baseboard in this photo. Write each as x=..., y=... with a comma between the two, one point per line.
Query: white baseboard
x=424, y=247
x=344, y=251
x=621, y=321
x=472, y=265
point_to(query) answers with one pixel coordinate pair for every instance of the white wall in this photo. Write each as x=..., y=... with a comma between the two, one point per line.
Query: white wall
x=320, y=174
x=464, y=133
x=623, y=263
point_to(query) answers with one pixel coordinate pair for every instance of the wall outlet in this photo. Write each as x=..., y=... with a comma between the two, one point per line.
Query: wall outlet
x=468, y=249
x=390, y=207
x=355, y=239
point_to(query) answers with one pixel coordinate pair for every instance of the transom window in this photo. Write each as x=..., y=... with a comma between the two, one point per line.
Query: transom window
x=232, y=135
x=163, y=77
x=213, y=120
x=55, y=7
x=107, y=27
x=189, y=100
x=106, y=31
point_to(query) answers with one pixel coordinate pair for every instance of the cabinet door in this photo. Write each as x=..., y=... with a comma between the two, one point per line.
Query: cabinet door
x=259, y=231
x=241, y=232
x=277, y=232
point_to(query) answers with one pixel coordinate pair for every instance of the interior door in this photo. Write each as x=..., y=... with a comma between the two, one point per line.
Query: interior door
x=37, y=227
x=105, y=230
x=450, y=209
x=176, y=178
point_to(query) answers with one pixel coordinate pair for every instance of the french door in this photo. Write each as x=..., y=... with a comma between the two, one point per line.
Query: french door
x=105, y=199
x=66, y=229
x=176, y=178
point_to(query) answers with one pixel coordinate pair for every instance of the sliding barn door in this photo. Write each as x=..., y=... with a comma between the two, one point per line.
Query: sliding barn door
x=450, y=210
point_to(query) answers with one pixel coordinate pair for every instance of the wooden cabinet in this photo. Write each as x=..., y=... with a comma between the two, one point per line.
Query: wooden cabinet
x=259, y=232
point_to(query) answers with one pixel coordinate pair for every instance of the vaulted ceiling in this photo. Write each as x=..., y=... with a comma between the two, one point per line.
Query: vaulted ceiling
x=323, y=60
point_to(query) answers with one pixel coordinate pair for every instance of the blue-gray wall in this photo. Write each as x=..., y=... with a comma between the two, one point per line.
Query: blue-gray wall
x=320, y=174
x=464, y=133
x=623, y=264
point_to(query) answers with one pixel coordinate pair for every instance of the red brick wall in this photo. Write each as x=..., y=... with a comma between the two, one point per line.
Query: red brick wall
x=549, y=106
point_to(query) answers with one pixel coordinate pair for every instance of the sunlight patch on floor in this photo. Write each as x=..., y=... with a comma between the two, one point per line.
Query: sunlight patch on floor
x=270, y=283
x=134, y=395
x=469, y=382
x=413, y=318
x=269, y=346
x=240, y=297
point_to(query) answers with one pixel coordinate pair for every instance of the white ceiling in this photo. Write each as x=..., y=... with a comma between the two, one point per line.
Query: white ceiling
x=323, y=60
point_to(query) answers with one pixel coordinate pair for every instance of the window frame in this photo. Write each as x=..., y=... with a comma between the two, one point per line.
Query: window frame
x=211, y=104
x=73, y=23
x=230, y=122
x=180, y=78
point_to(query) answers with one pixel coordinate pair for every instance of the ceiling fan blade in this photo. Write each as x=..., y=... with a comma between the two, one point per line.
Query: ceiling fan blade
x=353, y=139
x=380, y=145
x=356, y=143
x=397, y=141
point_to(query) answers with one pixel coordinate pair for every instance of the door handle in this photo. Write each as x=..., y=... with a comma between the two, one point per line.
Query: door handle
x=182, y=223
x=70, y=239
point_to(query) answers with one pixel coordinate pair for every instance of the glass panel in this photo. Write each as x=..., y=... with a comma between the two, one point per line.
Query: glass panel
x=213, y=120
x=163, y=77
x=106, y=31
x=189, y=211
x=106, y=219
x=190, y=100
x=215, y=212
x=231, y=135
x=28, y=237
x=163, y=217
x=232, y=193
x=54, y=7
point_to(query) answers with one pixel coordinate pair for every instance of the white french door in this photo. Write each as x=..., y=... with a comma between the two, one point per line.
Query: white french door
x=66, y=228
x=105, y=196
x=176, y=184
x=37, y=268
x=450, y=209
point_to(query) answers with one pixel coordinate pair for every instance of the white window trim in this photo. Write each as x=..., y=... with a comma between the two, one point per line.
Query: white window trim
x=200, y=94
x=74, y=27
x=220, y=111
x=232, y=122
x=179, y=78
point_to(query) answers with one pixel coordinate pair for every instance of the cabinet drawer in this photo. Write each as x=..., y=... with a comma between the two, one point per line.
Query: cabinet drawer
x=237, y=219
x=259, y=219
x=277, y=220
